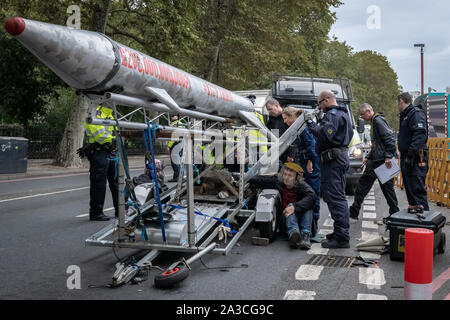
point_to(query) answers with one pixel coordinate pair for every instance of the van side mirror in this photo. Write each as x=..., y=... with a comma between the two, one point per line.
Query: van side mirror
x=361, y=125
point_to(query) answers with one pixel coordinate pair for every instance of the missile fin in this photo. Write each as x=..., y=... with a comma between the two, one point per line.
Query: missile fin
x=163, y=97
x=252, y=119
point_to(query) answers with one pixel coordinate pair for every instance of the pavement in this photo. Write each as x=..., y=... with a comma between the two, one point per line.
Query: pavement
x=46, y=167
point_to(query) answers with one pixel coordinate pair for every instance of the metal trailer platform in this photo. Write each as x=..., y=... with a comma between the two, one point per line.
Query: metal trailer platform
x=185, y=231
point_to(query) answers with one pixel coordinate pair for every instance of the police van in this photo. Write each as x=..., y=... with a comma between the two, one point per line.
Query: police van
x=302, y=92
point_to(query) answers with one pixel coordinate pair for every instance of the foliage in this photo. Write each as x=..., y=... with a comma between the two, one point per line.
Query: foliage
x=372, y=78
x=237, y=44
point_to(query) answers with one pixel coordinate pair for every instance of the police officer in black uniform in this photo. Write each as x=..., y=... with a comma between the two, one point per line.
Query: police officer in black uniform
x=333, y=135
x=412, y=144
x=382, y=151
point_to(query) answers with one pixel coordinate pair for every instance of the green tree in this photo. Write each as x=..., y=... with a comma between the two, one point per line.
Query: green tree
x=372, y=78
x=25, y=80
x=249, y=41
x=377, y=84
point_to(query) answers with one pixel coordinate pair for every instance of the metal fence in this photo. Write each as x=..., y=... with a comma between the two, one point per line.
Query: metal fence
x=42, y=141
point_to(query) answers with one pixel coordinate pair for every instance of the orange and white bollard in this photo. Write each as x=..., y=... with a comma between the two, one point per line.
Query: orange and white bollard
x=418, y=264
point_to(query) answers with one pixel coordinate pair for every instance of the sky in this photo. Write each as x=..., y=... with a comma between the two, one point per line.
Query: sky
x=392, y=27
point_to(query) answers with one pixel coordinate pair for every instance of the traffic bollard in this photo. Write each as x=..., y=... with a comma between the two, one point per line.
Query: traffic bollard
x=418, y=264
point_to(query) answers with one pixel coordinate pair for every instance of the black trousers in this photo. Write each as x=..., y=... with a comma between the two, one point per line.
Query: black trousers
x=102, y=169
x=175, y=167
x=366, y=182
x=414, y=182
x=333, y=189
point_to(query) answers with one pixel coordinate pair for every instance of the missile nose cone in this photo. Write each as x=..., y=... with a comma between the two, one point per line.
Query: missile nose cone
x=14, y=26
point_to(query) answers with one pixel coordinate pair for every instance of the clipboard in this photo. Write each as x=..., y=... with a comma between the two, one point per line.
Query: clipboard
x=384, y=174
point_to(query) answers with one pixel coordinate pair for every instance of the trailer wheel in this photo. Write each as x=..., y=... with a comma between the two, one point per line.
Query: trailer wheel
x=169, y=278
x=441, y=246
x=269, y=229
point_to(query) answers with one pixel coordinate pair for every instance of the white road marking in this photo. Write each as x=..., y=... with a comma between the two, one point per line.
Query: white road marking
x=369, y=202
x=369, y=208
x=373, y=278
x=369, y=215
x=299, y=295
x=308, y=272
x=369, y=225
x=370, y=198
x=44, y=194
x=316, y=248
x=86, y=214
x=363, y=296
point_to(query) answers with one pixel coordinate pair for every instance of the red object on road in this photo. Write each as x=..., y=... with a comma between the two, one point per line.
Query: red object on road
x=418, y=264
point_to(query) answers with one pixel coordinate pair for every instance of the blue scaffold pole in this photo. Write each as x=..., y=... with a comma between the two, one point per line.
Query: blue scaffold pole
x=151, y=128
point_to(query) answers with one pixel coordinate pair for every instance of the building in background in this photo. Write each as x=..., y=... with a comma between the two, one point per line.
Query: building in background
x=414, y=94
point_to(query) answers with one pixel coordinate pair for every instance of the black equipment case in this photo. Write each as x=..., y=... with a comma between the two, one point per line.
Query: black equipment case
x=398, y=222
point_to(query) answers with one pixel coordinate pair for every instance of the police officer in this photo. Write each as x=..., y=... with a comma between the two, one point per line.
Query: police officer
x=101, y=153
x=333, y=136
x=412, y=144
x=382, y=152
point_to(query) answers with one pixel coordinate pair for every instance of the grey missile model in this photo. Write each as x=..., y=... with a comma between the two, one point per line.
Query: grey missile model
x=92, y=62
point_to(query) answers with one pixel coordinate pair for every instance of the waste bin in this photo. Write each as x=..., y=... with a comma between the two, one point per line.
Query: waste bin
x=13, y=155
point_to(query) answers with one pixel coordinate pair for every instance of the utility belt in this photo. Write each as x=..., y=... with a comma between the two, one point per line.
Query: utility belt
x=108, y=147
x=419, y=158
x=332, y=154
x=91, y=148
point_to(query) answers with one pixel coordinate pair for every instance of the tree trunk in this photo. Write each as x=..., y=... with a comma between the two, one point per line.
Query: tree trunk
x=66, y=154
x=72, y=139
x=213, y=62
x=100, y=16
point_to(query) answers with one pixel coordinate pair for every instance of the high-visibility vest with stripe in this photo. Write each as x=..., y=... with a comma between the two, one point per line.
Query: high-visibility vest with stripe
x=254, y=135
x=98, y=133
x=176, y=123
x=257, y=136
x=211, y=157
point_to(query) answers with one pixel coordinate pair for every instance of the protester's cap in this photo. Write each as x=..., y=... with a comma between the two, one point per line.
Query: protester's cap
x=293, y=166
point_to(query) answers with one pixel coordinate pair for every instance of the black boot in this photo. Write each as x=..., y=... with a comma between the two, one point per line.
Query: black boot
x=335, y=244
x=353, y=213
x=98, y=217
x=305, y=243
x=294, y=239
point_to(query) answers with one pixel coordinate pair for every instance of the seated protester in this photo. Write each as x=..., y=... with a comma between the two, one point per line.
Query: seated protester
x=298, y=200
x=303, y=152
